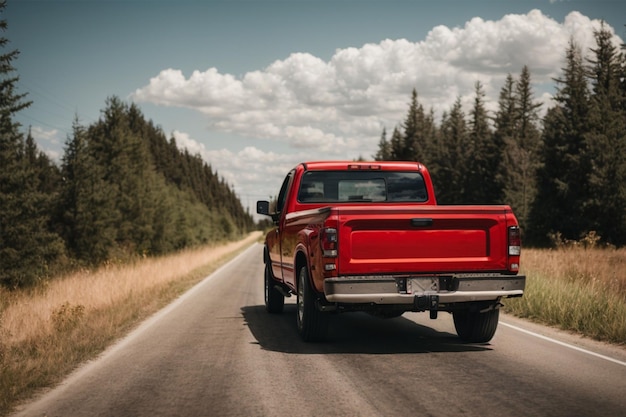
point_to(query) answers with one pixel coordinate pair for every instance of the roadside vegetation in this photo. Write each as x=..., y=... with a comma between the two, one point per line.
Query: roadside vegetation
x=122, y=189
x=577, y=286
x=45, y=332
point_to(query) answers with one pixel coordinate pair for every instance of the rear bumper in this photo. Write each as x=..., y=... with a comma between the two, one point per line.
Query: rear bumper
x=456, y=288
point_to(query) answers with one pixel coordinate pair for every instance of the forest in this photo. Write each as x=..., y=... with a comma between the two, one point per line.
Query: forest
x=122, y=190
x=564, y=174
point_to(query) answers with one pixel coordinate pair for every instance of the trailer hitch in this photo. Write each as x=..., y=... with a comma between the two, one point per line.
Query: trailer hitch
x=427, y=302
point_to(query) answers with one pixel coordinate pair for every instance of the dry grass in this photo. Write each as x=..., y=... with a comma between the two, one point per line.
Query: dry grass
x=577, y=289
x=47, y=332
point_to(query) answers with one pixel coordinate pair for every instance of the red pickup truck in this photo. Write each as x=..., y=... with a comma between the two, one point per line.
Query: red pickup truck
x=369, y=236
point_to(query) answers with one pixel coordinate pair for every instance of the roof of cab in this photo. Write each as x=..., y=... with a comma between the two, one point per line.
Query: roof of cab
x=362, y=165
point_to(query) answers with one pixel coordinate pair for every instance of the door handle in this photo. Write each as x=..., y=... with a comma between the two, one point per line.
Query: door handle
x=421, y=222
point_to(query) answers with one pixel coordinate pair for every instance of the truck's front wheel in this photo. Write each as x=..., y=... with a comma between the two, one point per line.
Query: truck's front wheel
x=274, y=300
x=474, y=326
x=312, y=323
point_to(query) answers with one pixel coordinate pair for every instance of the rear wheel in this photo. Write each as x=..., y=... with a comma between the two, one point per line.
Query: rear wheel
x=312, y=323
x=474, y=326
x=274, y=300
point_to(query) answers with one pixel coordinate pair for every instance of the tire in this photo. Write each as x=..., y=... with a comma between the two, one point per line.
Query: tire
x=312, y=323
x=274, y=300
x=476, y=327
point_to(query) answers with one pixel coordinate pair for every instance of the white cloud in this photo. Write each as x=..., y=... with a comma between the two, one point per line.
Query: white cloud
x=303, y=92
x=337, y=109
x=41, y=135
x=49, y=141
x=184, y=141
x=254, y=174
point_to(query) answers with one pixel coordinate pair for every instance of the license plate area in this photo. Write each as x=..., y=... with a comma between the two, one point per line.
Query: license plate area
x=422, y=285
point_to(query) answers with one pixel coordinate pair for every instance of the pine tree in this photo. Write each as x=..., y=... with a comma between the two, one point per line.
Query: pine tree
x=398, y=149
x=384, y=148
x=505, y=120
x=623, y=75
x=430, y=135
x=606, y=141
x=413, y=146
x=88, y=208
x=27, y=246
x=416, y=127
x=48, y=175
x=505, y=131
x=451, y=158
x=128, y=166
x=481, y=185
x=522, y=149
x=562, y=178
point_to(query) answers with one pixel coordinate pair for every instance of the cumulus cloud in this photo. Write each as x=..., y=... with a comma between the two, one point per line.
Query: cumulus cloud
x=337, y=108
x=328, y=100
x=254, y=174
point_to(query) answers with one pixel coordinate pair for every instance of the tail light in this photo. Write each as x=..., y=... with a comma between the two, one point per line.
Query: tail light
x=515, y=248
x=329, y=242
x=515, y=241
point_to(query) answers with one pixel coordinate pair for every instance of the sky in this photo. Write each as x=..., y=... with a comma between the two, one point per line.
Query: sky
x=257, y=86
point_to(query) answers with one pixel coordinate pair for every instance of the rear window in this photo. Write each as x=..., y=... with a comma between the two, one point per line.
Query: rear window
x=361, y=186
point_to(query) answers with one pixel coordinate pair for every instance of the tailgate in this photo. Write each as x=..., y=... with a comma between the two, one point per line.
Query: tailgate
x=414, y=240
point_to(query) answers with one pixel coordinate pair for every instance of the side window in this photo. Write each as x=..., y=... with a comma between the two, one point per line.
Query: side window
x=282, y=195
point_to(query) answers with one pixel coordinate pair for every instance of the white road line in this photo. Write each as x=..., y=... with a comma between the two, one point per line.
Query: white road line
x=567, y=345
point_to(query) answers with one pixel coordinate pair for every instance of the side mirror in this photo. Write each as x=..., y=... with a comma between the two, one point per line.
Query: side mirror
x=263, y=207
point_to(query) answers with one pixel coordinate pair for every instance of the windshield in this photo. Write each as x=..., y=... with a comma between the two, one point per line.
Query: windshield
x=365, y=186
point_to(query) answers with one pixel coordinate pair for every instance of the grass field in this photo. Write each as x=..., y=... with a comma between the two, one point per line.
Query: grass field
x=577, y=289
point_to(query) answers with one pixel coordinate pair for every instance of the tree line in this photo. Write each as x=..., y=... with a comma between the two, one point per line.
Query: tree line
x=564, y=174
x=122, y=190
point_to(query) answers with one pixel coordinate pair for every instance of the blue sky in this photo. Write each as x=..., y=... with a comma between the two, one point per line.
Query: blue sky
x=256, y=86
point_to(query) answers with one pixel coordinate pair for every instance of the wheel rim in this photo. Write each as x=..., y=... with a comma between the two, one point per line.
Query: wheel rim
x=300, y=296
x=267, y=286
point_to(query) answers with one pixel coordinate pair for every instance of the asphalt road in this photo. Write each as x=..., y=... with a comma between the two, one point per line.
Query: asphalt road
x=216, y=352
